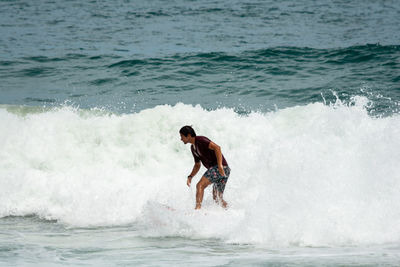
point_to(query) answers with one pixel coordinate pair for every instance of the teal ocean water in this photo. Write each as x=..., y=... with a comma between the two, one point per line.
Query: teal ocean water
x=302, y=96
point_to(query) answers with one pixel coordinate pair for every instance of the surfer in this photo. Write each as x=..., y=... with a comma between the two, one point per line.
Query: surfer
x=209, y=153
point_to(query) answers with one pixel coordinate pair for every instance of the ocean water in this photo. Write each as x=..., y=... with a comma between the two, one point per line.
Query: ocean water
x=302, y=96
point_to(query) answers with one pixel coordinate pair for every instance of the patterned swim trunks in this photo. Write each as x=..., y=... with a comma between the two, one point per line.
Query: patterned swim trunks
x=219, y=181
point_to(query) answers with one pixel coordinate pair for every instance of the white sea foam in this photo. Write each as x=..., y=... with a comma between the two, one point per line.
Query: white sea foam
x=310, y=175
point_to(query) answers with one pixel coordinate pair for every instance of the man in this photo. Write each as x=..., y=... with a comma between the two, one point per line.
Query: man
x=209, y=153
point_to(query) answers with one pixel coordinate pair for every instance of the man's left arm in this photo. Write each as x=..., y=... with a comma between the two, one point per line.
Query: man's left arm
x=218, y=154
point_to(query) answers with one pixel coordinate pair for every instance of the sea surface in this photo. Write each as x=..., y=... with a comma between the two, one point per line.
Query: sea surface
x=302, y=96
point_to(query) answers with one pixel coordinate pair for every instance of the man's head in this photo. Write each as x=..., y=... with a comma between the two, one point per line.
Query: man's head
x=187, y=134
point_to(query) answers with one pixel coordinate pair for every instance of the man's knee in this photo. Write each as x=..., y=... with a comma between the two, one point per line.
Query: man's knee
x=203, y=183
x=199, y=186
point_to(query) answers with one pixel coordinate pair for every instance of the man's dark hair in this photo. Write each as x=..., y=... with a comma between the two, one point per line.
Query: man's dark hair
x=185, y=130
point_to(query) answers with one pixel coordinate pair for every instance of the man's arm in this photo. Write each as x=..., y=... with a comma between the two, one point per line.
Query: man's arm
x=196, y=168
x=218, y=154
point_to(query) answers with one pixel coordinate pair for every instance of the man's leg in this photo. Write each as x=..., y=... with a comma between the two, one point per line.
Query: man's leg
x=201, y=185
x=221, y=200
x=215, y=193
x=218, y=197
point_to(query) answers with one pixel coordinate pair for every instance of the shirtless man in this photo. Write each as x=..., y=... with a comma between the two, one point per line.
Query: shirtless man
x=209, y=153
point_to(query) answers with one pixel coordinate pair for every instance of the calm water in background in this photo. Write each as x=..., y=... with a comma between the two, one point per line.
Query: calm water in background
x=130, y=55
x=303, y=97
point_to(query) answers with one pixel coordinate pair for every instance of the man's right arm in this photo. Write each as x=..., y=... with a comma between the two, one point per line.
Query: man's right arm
x=195, y=170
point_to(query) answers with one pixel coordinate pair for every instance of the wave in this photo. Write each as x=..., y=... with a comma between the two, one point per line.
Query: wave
x=313, y=175
x=343, y=55
x=287, y=75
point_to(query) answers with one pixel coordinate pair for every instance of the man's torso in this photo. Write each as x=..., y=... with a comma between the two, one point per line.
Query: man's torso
x=202, y=152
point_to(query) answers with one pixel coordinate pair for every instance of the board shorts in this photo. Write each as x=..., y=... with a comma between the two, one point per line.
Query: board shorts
x=219, y=181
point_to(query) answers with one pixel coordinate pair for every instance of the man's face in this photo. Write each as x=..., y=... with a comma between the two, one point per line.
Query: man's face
x=185, y=139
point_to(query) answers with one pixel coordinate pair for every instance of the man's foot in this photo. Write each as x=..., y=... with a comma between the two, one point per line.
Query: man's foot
x=198, y=206
x=224, y=204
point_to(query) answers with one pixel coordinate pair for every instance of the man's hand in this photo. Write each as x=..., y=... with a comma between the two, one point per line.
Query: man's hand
x=189, y=181
x=221, y=170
